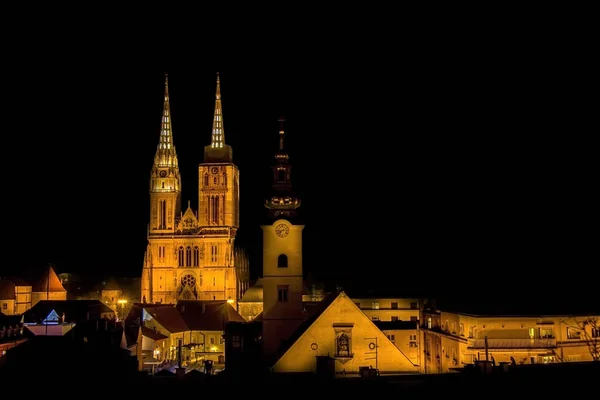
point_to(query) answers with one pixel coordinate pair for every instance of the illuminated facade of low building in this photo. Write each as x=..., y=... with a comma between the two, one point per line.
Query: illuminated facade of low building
x=454, y=339
x=18, y=296
x=193, y=327
x=191, y=253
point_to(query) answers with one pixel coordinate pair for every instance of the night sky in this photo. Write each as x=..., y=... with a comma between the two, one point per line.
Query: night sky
x=446, y=169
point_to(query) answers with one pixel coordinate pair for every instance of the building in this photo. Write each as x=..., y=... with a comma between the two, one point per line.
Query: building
x=191, y=254
x=454, y=339
x=48, y=287
x=18, y=296
x=192, y=329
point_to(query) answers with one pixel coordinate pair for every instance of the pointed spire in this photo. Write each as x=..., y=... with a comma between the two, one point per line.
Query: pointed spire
x=218, y=134
x=165, y=152
x=217, y=150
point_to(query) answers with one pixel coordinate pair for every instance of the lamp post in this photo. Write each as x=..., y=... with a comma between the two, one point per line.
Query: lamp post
x=122, y=303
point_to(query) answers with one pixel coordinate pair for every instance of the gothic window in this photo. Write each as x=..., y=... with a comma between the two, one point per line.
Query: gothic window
x=343, y=345
x=282, y=261
x=205, y=179
x=281, y=175
x=188, y=280
x=225, y=179
x=215, y=180
x=180, y=257
x=162, y=214
x=196, y=256
x=188, y=256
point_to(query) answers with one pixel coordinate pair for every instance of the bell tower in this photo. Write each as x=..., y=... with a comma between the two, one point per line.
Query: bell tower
x=282, y=256
x=165, y=181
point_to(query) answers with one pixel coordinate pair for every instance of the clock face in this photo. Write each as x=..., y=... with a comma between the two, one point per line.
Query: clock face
x=214, y=170
x=163, y=174
x=282, y=230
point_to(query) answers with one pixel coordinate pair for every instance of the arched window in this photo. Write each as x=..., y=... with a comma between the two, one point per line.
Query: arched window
x=205, y=179
x=188, y=256
x=282, y=261
x=180, y=257
x=196, y=256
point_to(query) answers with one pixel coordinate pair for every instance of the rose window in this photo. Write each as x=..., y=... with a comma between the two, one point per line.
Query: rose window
x=188, y=280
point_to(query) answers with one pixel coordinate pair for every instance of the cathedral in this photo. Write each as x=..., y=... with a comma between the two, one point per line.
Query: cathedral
x=191, y=254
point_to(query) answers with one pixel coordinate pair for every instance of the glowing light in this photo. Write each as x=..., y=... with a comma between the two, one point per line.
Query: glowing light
x=230, y=301
x=122, y=301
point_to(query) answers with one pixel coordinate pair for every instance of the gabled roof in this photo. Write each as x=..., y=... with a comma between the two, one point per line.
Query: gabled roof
x=49, y=282
x=152, y=333
x=211, y=315
x=74, y=310
x=168, y=316
x=316, y=313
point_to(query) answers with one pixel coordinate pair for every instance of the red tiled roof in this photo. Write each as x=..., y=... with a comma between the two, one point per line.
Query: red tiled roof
x=168, y=317
x=49, y=282
x=210, y=315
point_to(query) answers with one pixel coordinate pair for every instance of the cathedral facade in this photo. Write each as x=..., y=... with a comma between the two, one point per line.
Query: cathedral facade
x=191, y=253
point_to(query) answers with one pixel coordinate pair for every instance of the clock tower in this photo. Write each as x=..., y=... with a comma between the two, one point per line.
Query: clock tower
x=282, y=256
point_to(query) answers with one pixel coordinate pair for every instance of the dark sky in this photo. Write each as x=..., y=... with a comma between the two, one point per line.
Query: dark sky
x=453, y=166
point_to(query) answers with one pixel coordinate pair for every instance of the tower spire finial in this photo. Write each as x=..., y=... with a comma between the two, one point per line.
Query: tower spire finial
x=165, y=152
x=281, y=133
x=218, y=134
x=217, y=150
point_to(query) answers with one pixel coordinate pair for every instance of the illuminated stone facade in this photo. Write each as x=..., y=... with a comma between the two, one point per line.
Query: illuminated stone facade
x=191, y=254
x=453, y=339
x=342, y=332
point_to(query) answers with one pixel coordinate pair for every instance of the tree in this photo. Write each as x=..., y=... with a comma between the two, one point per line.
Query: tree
x=586, y=330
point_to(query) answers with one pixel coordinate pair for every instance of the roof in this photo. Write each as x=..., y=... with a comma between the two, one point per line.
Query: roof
x=152, y=334
x=49, y=282
x=210, y=315
x=254, y=293
x=168, y=316
x=17, y=281
x=7, y=290
x=74, y=310
x=10, y=320
x=330, y=298
x=519, y=308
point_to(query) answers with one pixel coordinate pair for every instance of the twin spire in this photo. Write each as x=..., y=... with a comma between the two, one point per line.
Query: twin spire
x=217, y=151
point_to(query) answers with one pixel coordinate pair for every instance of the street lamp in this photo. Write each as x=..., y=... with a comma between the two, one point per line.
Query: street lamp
x=122, y=303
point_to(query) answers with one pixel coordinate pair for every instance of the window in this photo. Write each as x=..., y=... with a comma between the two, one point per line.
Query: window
x=414, y=318
x=413, y=337
x=5, y=306
x=392, y=338
x=212, y=340
x=375, y=306
x=282, y=293
x=595, y=332
x=213, y=253
x=471, y=330
x=394, y=305
x=180, y=257
x=429, y=323
x=461, y=329
x=394, y=318
x=282, y=261
x=546, y=333
x=374, y=318
x=196, y=256
x=573, y=333
x=413, y=305
x=188, y=256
